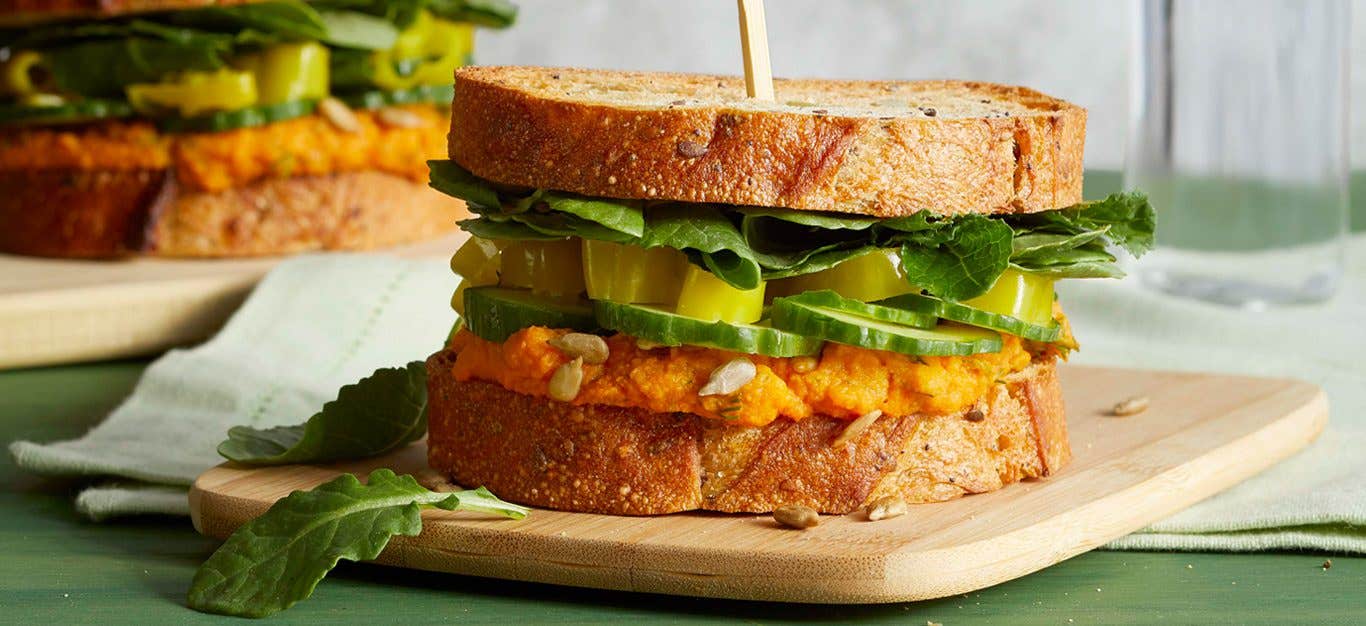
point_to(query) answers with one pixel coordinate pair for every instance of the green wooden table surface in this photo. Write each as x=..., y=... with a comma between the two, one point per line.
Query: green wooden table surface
x=58, y=568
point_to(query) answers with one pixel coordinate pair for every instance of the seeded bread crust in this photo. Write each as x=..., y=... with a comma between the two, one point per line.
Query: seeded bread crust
x=877, y=148
x=612, y=460
x=102, y=214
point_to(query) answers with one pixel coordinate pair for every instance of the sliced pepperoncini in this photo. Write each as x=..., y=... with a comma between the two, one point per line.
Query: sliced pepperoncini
x=552, y=268
x=866, y=278
x=24, y=74
x=195, y=93
x=632, y=274
x=706, y=297
x=288, y=72
x=426, y=53
x=1020, y=295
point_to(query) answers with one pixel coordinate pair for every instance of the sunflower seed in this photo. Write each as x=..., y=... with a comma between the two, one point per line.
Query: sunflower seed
x=885, y=508
x=434, y=480
x=729, y=378
x=399, y=118
x=856, y=428
x=1132, y=406
x=592, y=348
x=804, y=364
x=796, y=516
x=691, y=149
x=565, y=382
x=340, y=115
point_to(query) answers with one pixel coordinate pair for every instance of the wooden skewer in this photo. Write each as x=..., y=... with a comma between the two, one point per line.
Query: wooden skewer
x=754, y=44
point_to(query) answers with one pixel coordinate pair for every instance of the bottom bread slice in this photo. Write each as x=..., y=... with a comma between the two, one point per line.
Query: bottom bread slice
x=116, y=213
x=624, y=461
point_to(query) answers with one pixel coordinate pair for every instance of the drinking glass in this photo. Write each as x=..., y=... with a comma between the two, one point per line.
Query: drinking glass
x=1238, y=133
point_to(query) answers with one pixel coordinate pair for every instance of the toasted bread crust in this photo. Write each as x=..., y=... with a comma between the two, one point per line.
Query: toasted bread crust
x=97, y=214
x=614, y=460
x=510, y=125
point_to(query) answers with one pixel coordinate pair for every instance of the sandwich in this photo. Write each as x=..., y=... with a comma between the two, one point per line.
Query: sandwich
x=209, y=128
x=675, y=298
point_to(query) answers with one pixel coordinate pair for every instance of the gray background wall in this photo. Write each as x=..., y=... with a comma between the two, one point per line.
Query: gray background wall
x=1074, y=49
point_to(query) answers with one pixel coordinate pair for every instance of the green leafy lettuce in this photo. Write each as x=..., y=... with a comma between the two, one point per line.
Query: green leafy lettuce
x=100, y=58
x=956, y=258
x=277, y=559
x=382, y=412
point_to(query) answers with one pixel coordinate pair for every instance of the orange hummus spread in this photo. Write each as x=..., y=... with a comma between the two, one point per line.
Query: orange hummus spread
x=842, y=382
x=305, y=146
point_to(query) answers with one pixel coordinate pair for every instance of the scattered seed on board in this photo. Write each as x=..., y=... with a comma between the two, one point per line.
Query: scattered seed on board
x=1132, y=406
x=592, y=348
x=856, y=428
x=339, y=115
x=975, y=415
x=729, y=378
x=885, y=508
x=399, y=118
x=565, y=382
x=796, y=516
x=435, y=481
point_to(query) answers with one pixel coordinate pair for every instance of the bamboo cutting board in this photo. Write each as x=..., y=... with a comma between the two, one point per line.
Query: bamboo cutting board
x=62, y=311
x=1202, y=434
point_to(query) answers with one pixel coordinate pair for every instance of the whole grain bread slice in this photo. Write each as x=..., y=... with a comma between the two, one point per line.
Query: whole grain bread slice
x=112, y=213
x=622, y=461
x=876, y=148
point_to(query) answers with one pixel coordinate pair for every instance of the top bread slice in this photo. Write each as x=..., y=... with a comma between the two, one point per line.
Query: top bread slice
x=18, y=12
x=876, y=148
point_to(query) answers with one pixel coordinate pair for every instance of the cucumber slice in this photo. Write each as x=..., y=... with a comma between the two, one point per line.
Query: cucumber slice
x=241, y=118
x=494, y=313
x=831, y=300
x=422, y=94
x=963, y=313
x=672, y=329
x=65, y=113
x=864, y=332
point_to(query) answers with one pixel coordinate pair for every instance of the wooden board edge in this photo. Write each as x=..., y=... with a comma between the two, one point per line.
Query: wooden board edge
x=1152, y=500
x=925, y=572
x=74, y=326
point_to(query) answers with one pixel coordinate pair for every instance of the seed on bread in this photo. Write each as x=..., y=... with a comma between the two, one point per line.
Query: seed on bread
x=691, y=149
x=565, y=382
x=729, y=378
x=796, y=516
x=591, y=348
x=339, y=115
x=400, y=118
x=856, y=428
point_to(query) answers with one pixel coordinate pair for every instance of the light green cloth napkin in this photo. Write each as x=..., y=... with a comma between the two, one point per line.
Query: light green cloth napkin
x=1316, y=499
x=319, y=322
x=313, y=325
